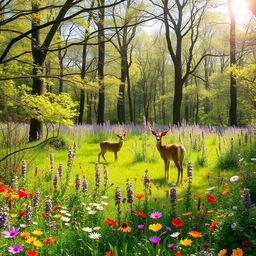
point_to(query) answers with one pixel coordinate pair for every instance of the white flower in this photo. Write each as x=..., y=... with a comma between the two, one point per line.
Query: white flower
x=253, y=159
x=63, y=211
x=233, y=225
x=211, y=188
x=231, y=214
x=99, y=208
x=64, y=207
x=23, y=225
x=84, y=204
x=176, y=234
x=234, y=208
x=66, y=224
x=104, y=197
x=88, y=208
x=95, y=235
x=65, y=219
x=234, y=178
x=92, y=212
x=35, y=223
x=87, y=229
x=68, y=214
x=96, y=228
x=104, y=203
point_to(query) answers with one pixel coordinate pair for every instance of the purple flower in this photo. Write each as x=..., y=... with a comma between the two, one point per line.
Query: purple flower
x=129, y=192
x=173, y=194
x=155, y=215
x=11, y=233
x=154, y=239
x=60, y=170
x=171, y=246
x=189, y=170
x=141, y=226
x=168, y=228
x=15, y=248
x=77, y=182
x=84, y=185
x=247, y=200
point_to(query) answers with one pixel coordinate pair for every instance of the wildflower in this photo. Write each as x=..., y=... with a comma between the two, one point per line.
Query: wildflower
x=129, y=192
x=48, y=207
x=180, y=254
x=78, y=182
x=97, y=174
x=234, y=178
x=210, y=211
x=211, y=188
x=23, y=168
x=21, y=212
x=23, y=225
x=139, y=196
x=155, y=227
x=15, y=197
x=49, y=240
x=221, y=216
x=37, y=243
x=60, y=170
x=14, y=215
x=237, y=252
x=180, y=199
x=213, y=225
x=65, y=219
x=110, y=222
x=171, y=246
x=55, y=181
x=92, y=212
x=187, y=213
x=222, y=252
x=168, y=228
x=154, y=239
x=95, y=235
x=146, y=179
x=29, y=213
x=118, y=196
x=15, y=248
x=31, y=253
x=96, y=228
x=124, y=227
x=25, y=235
x=189, y=170
x=140, y=214
x=226, y=191
x=31, y=240
x=55, y=207
x=195, y=234
x=175, y=234
x=233, y=225
x=156, y=215
x=87, y=229
x=109, y=253
x=177, y=222
x=247, y=200
x=141, y=227
x=3, y=217
x=37, y=232
x=11, y=233
x=36, y=199
x=57, y=216
x=186, y=242
x=211, y=198
x=231, y=214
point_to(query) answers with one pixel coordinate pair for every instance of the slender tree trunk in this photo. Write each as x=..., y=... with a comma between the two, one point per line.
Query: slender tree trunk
x=163, y=110
x=206, y=78
x=233, y=89
x=81, y=106
x=61, y=66
x=129, y=94
x=101, y=59
x=89, y=108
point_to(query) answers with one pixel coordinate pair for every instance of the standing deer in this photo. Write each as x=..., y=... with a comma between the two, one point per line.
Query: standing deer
x=175, y=152
x=109, y=146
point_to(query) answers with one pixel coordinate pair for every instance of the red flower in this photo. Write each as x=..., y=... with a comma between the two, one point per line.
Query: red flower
x=109, y=253
x=49, y=240
x=139, y=196
x=110, y=222
x=30, y=194
x=140, y=214
x=246, y=243
x=24, y=189
x=213, y=225
x=177, y=222
x=180, y=254
x=21, y=212
x=22, y=193
x=56, y=207
x=211, y=198
x=44, y=213
x=31, y=253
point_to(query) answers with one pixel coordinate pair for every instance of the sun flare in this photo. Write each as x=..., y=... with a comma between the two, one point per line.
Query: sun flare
x=241, y=10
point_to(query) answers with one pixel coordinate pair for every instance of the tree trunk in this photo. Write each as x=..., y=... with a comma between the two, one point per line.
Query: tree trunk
x=177, y=96
x=61, y=66
x=163, y=92
x=81, y=106
x=89, y=108
x=101, y=58
x=233, y=89
x=129, y=94
x=121, y=95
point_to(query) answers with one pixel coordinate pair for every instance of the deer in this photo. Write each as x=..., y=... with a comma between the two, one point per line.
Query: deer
x=168, y=152
x=110, y=146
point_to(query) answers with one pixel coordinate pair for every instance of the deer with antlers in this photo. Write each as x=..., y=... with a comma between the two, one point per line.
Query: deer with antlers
x=110, y=146
x=175, y=152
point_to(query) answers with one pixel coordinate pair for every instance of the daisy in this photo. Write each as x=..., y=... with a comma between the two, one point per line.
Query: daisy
x=95, y=235
x=87, y=229
x=96, y=228
x=92, y=212
x=175, y=234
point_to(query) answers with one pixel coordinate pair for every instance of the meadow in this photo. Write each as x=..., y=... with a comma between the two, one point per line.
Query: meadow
x=57, y=200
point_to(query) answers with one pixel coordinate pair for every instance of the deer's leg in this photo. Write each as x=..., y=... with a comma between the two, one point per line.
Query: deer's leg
x=165, y=168
x=99, y=156
x=168, y=169
x=178, y=167
x=115, y=156
x=103, y=155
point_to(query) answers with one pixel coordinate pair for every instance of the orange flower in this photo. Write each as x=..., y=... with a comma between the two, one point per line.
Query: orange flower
x=210, y=211
x=200, y=211
x=221, y=216
x=25, y=235
x=222, y=252
x=226, y=191
x=15, y=197
x=195, y=234
x=180, y=199
x=185, y=180
x=49, y=240
x=56, y=207
x=213, y=225
x=195, y=194
x=237, y=252
x=186, y=213
x=125, y=227
x=139, y=196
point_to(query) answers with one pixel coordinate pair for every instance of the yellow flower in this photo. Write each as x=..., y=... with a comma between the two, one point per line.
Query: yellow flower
x=25, y=235
x=221, y=216
x=65, y=197
x=180, y=199
x=155, y=227
x=24, y=204
x=6, y=194
x=186, y=242
x=72, y=184
x=14, y=215
x=57, y=216
x=222, y=252
x=37, y=243
x=37, y=232
x=31, y=240
x=15, y=197
x=237, y=252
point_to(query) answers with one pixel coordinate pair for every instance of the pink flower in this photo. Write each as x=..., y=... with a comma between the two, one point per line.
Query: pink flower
x=11, y=233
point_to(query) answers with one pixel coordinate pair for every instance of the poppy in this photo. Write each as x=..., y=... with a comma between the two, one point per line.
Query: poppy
x=140, y=214
x=213, y=225
x=31, y=253
x=56, y=207
x=110, y=222
x=211, y=198
x=109, y=253
x=21, y=212
x=139, y=196
x=177, y=222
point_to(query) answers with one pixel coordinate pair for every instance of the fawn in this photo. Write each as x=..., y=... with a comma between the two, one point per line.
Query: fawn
x=109, y=146
x=175, y=152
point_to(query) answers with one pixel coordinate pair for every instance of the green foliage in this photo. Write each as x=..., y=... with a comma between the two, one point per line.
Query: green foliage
x=226, y=161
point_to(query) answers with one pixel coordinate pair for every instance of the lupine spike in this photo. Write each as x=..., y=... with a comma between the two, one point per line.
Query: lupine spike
x=36, y=199
x=23, y=168
x=60, y=170
x=84, y=185
x=97, y=174
x=105, y=176
x=29, y=214
x=77, y=182
x=51, y=162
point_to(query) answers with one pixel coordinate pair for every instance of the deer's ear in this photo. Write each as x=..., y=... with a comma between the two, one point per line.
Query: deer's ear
x=153, y=132
x=117, y=135
x=124, y=132
x=165, y=132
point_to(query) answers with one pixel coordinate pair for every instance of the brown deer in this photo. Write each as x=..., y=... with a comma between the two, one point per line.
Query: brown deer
x=175, y=152
x=109, y=146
